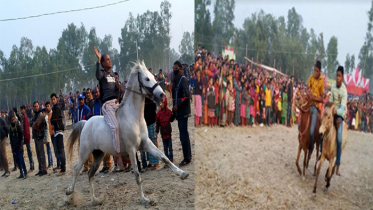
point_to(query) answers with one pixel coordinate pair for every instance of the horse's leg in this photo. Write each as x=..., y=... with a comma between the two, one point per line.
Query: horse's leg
x=98, y=155
x=317, y=174
x=297, y=161
x=132, y=154
x=317, y=158
x=149, y=147
x=304, y=164
x=83, y=156
x=330, y=169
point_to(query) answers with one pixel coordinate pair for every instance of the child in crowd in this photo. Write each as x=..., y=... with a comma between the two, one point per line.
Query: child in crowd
x=211, y=102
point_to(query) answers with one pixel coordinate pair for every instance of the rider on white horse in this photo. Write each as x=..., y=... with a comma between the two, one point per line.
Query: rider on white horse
x=109, y=87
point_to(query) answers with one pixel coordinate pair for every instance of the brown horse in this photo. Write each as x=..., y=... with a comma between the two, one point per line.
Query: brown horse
x=329, y=145
x=303, y=103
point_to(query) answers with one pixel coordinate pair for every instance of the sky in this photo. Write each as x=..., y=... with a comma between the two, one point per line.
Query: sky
x=347, y=20
x=46, y=30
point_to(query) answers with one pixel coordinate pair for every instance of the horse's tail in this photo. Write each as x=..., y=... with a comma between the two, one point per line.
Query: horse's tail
x=75, y=135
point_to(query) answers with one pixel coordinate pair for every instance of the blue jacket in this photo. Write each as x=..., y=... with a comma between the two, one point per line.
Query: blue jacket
x=82, y=114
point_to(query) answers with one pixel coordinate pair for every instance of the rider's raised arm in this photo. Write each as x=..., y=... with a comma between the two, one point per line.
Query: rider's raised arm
x=99, y=73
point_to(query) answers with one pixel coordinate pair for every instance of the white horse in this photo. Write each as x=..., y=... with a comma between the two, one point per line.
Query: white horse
x=96, y=138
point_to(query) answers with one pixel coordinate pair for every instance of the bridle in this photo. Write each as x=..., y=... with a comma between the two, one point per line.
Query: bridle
x=149, y=90
x=301, y=108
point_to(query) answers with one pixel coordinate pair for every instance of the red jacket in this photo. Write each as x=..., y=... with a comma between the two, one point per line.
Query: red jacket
x=26, y=129
x=163, y=119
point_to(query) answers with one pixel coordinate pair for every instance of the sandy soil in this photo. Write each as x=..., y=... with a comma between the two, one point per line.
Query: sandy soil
x=167, y=190
x=254, y=168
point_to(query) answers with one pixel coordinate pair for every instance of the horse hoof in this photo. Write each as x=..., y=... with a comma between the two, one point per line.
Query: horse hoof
x=303, y=178
x=145, y=202
x=325, y=189
x=314, y=196
x=184, y=175
x=68, y=191
x=97, y=201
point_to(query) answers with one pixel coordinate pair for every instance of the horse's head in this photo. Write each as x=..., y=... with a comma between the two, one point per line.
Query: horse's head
x=327, y=119
x=148, y=86
x=301, y=100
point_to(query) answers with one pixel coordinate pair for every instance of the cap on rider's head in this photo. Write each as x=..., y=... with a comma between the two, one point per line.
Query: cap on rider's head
x=81, y=96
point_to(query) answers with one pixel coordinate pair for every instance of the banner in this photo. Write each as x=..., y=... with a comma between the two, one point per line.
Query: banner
x=228, y=50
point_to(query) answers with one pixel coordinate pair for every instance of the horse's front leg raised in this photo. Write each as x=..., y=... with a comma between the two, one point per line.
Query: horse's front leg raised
x=152, y=149
x=132, y=154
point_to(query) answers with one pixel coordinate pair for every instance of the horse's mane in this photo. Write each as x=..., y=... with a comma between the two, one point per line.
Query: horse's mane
x=137, y=66
x=329, y=104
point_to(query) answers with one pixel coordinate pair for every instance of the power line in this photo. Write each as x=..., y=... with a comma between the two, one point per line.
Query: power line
x=67, y=11
x=43, y=74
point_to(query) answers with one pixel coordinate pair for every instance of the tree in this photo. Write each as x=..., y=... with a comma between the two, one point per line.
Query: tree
x=203, y=26
x=332, y=53
x=347, y=66
x=186, y=48
x=222, y=26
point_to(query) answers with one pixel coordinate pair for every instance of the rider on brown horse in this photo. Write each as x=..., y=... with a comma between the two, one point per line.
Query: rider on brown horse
x=315, y=94
x=339, y=98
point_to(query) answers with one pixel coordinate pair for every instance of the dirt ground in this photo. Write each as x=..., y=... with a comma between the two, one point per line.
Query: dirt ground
x=167, y=190
x=254, y=168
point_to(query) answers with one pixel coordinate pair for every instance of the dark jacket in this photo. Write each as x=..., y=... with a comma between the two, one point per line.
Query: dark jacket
x=163, y=119
x=56, y=119
x=38, y=125
x=107, y=81
x=150, y=111
x=96, y=108
x=4, y=129
x=181, y=96
x=90, y=103
x=16, y=137
x=82, y=113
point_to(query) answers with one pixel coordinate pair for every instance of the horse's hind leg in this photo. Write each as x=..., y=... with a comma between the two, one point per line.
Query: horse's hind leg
x=149, y=147
x=132, y=155
x=83, y=156
x=297, y=161
x=317, y=158
x=97, y=155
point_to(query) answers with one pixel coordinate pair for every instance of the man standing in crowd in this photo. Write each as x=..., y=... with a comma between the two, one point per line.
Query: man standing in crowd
x=290, y=102
x=89, y=101
x=316, y=95
x=4, y=131
x=181, y=108
x=150, y=113
x=82, y=113
x=50, y=133
x=16, y=141
x=72, y=105
x=38, y=129
x=161, y=80
x=26, y=137
x=58, y=129
x=96, y=111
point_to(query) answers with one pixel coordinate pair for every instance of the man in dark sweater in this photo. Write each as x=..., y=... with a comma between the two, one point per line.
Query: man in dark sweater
x=4, y=131
x=290, y=98
x=16, y=141
x=150, y=112
x=181, y=108
x=38, y=127
x=58, y=128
